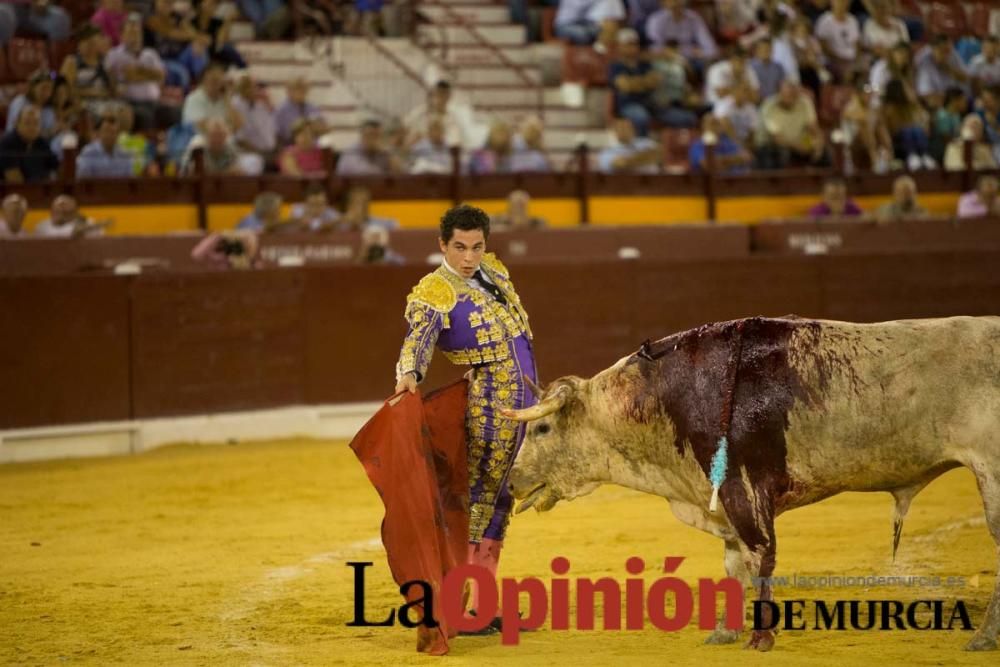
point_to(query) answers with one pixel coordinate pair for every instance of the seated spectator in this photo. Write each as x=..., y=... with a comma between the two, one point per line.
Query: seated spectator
x=588, y=21
x=984, y=68
x=38, y=17
x=840, y=35
x=907, y=123
x=357, y=214
x=103, y=157
x=368, y=157
x=947, y=121
x=988, y=107
x=375, y=247
x=303, y=157
x=630, y=153
x=271, y=18
x=687, y=28
x=982, y=201
x=638, y=12
x=673, y=89
x=939, y=68
x=315, y=213
x=904, y=204
x=211, y=102
x=866, y=137
x=517, y=215
x=982, y=153
x=735, y=18
x=294, y=108
x=266, y=214
x=208, y=23
x=730, y=157
x=789, y=133
x=139, y=75
x=259, y=132
x=769, y=73
x=38, y=94
x=228, y=250
x=13, y=210
x=897, y=65
x=84, y=70
x=219, y=156
x=809, y=56
x=495, y=156
x=183, y=49
x=110, y=18
x=460, y=126
x=634, y=83
x=738, y=115
x=529, y=150
x=431, y=155
x=143, y=151
x=725, y=75
x=66, y=221
x=835, y=202
x=24, y=156
x=883, y=30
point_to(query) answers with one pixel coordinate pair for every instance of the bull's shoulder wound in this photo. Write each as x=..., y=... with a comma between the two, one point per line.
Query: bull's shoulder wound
x=435, y=292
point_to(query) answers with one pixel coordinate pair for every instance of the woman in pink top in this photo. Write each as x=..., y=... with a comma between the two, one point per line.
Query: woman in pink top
x=110, y=18
x=982, y=201
x=303, y=157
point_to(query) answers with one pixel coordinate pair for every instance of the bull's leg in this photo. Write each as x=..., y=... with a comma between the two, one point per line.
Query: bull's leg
x=985, y=638
x=750, y=508
x=736, y=568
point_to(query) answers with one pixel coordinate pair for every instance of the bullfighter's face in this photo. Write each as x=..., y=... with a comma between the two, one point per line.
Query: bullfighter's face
x=558, y=459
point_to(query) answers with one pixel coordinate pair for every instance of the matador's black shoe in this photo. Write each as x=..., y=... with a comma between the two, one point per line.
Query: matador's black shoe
x=490, y=629
x=498, y=624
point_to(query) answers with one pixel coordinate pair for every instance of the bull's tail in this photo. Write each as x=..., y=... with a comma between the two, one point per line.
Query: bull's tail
x=903, y=498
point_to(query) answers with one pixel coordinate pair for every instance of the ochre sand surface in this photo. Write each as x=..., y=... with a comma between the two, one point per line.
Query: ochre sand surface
x=235, y=554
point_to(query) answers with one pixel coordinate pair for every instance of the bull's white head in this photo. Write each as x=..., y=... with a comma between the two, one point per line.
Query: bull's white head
x=559, y=458
x=584, y=433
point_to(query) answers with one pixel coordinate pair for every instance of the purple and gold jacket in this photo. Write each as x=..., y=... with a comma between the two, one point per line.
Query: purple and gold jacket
x=468, y=325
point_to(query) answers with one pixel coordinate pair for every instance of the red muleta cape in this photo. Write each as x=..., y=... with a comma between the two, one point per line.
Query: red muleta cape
x=413, y=451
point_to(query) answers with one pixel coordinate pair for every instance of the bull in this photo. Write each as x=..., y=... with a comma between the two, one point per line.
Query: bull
x=810, y=409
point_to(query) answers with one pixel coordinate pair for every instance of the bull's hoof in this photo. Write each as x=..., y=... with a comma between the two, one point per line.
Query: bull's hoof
x=723, y=636
x=761, y=640
x=981, y=643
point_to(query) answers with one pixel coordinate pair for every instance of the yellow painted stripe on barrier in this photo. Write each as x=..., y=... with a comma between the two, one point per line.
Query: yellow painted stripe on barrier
x=134, y=220
x=412, y=213
x=558, y=212
x=646, y=210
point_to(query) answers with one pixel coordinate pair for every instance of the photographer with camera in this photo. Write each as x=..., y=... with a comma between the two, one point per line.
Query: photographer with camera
x=375, y=247
x=229, y=250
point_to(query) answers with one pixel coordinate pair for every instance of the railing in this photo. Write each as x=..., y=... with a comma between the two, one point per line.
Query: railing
x=497, y=51
x=581, y=184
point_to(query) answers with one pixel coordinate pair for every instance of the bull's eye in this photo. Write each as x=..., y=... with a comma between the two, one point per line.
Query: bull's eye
x=542, y=429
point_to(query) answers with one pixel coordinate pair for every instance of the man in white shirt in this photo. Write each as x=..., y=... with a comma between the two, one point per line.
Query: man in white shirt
x=586, y=21
x=839, y=33
x=67, y=221
x=984, y=68
x=15, y=207
x=724, y=76
x=140, y=74
x=883, y=30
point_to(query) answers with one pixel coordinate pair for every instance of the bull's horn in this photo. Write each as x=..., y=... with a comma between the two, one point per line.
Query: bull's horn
x=542, y=409
x=535, y=389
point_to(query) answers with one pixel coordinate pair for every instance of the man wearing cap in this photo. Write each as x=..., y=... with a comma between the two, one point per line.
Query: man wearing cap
x=468, y=308
x=634, y=82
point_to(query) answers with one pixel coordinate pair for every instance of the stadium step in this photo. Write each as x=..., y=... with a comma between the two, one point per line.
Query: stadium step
x=463, y=56
x=554, y=117
x=477, y=13
x=453, y=35
x=497, y=75
x=255, y=51
x=484, y=97
x=330, y=93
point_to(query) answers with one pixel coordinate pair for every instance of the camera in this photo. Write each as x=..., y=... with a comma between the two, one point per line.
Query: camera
x=231, y=247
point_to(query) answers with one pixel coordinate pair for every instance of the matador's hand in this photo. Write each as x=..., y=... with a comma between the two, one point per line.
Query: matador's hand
x=407, y=382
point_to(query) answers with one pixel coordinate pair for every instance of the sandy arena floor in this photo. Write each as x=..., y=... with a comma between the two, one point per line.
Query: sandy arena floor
x=236, y=555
